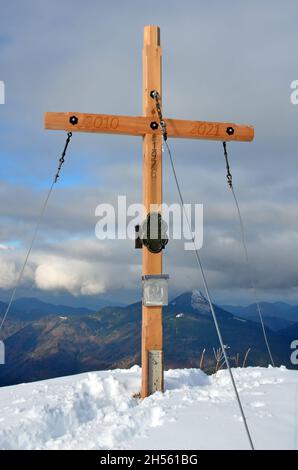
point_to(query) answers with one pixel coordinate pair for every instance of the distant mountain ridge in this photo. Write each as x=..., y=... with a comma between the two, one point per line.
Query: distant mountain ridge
x=44, y=344
x=277, y=315
x=30, y=309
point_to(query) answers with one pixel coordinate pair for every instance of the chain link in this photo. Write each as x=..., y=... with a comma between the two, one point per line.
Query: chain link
x=156, y=96
x=35, y=233
x=62, y=158
x=244, y=243
x=229, y=174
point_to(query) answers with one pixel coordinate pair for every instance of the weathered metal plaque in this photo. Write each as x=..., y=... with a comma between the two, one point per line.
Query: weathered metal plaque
x=155, y=371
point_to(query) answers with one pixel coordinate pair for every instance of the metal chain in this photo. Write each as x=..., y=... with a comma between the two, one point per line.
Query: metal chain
x=156, y=96
x=229, y=175
x=211, y=305
x=244, y=244
x=62, y=158
x=38, y=222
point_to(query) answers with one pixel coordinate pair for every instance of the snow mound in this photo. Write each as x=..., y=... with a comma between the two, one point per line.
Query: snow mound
x=99, y=410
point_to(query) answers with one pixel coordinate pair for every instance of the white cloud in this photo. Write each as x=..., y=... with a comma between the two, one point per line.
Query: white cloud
x=76, y=277
x=8, y=274
x=254, y=88
x=80, y=267
x=3, y=247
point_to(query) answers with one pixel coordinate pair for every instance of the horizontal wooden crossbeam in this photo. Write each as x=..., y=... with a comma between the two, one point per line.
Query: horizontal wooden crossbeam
x=139, y=126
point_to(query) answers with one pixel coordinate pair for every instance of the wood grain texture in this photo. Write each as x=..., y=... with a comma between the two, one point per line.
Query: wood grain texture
x=143, y=126
x=152, y=194
x=140, y=126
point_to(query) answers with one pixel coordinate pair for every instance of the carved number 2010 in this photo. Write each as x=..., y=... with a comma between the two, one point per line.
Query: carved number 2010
x=106, y=122
x=99, y=122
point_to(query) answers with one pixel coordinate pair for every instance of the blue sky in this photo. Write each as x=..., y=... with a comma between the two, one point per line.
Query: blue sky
x=231, y=60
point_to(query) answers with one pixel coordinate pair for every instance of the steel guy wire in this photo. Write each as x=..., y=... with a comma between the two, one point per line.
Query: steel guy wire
x=35, y=233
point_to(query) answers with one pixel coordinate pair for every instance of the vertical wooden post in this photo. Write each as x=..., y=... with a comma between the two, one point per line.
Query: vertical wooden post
x=152, y=194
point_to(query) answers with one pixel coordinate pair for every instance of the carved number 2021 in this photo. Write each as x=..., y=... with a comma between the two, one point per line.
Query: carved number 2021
x=205, y=129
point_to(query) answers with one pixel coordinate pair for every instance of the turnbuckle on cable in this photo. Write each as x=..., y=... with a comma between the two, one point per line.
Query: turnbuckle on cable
x=62, y=158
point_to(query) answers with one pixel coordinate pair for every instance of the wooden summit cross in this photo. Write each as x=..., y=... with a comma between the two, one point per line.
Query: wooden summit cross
x=147, y=127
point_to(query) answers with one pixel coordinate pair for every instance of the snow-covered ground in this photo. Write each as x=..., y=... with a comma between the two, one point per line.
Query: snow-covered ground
x=98, y=411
